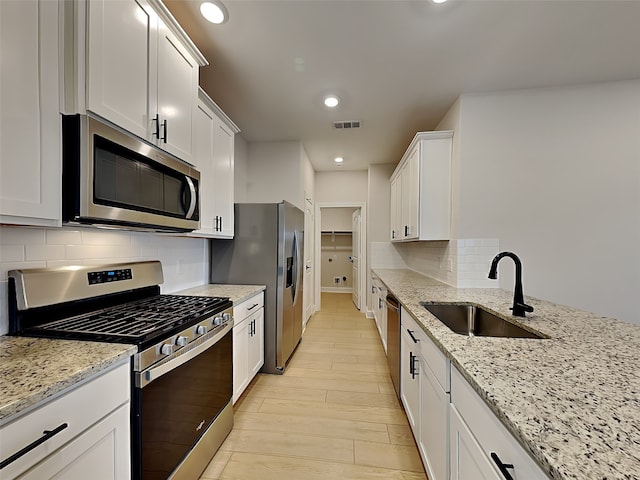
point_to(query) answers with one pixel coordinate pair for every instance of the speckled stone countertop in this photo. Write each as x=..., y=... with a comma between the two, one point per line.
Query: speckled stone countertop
x=237, y=293
x=34, y=369
x=572, y=400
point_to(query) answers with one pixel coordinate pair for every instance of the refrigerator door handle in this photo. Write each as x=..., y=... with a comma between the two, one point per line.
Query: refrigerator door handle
x=296, y=266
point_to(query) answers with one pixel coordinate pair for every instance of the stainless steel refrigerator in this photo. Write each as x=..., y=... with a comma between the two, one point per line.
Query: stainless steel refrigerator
x=267, y=249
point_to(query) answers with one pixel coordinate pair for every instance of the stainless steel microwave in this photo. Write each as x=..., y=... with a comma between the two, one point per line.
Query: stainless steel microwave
x=112, y=178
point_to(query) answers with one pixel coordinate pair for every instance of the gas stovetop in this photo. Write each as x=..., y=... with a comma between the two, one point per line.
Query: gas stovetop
x=134, y=322
x=118, y=303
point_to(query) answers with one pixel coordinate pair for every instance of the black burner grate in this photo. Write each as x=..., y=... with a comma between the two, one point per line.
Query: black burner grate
x=138, y=319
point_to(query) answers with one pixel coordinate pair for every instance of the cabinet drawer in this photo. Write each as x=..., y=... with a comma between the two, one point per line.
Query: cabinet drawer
x=433, y=357
x=490, y=433
x=248, y=307
x=79, y=408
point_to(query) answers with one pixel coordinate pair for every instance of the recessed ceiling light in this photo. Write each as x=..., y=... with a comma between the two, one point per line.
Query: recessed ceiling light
x=331, y=101
x=214, y=11
x=338, y=160
x=438, y=1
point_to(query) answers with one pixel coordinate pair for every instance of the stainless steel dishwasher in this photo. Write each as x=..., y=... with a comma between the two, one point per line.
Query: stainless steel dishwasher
x=393, y=340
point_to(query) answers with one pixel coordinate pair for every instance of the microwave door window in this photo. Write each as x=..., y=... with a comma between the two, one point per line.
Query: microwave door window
x=150, y=187
x=173, y=189
x=116, y=179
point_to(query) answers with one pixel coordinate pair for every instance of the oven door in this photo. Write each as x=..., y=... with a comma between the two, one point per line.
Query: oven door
x=177, y=403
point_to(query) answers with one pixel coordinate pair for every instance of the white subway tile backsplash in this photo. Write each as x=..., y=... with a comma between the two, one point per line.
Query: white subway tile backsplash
x=63, y=237
x=89, y=252
x=103, y=237
x=11, y=253
x=44, y=252
x=21, y=236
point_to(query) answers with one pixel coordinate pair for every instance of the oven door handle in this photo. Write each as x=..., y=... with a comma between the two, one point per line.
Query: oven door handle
x=145, y=378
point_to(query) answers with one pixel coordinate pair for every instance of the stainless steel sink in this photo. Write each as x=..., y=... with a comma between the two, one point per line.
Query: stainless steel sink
x=475, y=321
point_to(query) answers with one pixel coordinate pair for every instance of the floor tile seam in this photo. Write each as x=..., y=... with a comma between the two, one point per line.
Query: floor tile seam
x=317, y=435
x=362, y=423
x=307, y=381
x=284, y=455
x=221, y=473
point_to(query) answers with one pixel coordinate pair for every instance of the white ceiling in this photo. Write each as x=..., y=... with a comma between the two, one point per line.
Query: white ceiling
x=397, y=65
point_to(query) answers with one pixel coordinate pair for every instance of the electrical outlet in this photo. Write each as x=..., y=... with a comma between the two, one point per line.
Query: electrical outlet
x=449, y=265
x=336, y=280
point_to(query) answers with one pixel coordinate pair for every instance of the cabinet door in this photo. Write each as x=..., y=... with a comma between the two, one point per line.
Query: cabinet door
x=122, y=46
x=411, y=194
x=255, y=353
x=434, y=430
x=223, y=141
x=30, y=149
x=410, y=379
x=203, y=160
x=101, y=453
x=395, y=210
x=177, y=94
x=468, y=460
x=240, y=358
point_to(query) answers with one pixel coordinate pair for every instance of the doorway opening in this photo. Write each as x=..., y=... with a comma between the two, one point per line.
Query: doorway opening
x=340, y=252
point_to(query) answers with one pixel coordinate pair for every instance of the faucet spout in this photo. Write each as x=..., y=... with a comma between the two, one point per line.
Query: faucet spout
x=519, y=307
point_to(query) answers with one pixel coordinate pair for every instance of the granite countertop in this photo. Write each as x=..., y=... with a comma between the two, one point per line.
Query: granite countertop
x=236, y=293
x=572, y=400
x=34, y=369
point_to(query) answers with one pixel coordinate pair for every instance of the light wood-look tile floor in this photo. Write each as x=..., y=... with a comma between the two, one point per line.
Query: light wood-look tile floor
x=332, y=415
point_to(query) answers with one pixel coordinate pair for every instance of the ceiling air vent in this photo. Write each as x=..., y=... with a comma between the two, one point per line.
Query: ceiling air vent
x=346, y=124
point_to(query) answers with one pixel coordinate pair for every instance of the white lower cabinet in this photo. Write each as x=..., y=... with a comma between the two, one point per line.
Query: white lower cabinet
x=379, y=307
x=457, y=435
x=495, y=443
x=424, y=387
x=248, y=342
x=468, y=460
x=92, y=439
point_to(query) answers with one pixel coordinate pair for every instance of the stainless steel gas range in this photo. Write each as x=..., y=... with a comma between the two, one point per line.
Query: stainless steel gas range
x=182, y=374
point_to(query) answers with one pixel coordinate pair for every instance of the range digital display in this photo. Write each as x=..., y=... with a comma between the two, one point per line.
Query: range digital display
x=107, y=276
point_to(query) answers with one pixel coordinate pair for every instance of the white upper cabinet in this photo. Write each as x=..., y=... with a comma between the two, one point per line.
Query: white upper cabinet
x=141, y=71
x=421, y=189
x=214, y=136
x=30, y=146
x=121, y=98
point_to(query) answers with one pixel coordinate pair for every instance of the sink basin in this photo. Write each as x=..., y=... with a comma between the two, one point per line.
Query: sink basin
x=475, y=321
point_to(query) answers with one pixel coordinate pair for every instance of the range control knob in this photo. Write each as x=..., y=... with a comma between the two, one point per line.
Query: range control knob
x=226, y=317
x=166, y=349
x=181, y=341
x=217, y=321
x=201, y=329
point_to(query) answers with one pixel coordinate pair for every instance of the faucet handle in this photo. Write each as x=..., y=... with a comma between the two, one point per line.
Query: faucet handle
x=519, y=309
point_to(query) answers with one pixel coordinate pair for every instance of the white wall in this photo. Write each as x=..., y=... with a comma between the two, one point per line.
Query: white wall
x=337, y=219
x=241, y=159
x=341, y=187
x=554, y=174
x=273, y=173
x=279, y=171
x=308, y=175
x=185, y=261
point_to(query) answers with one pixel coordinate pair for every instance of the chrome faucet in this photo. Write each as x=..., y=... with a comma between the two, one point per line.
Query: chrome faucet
x=519, y=307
